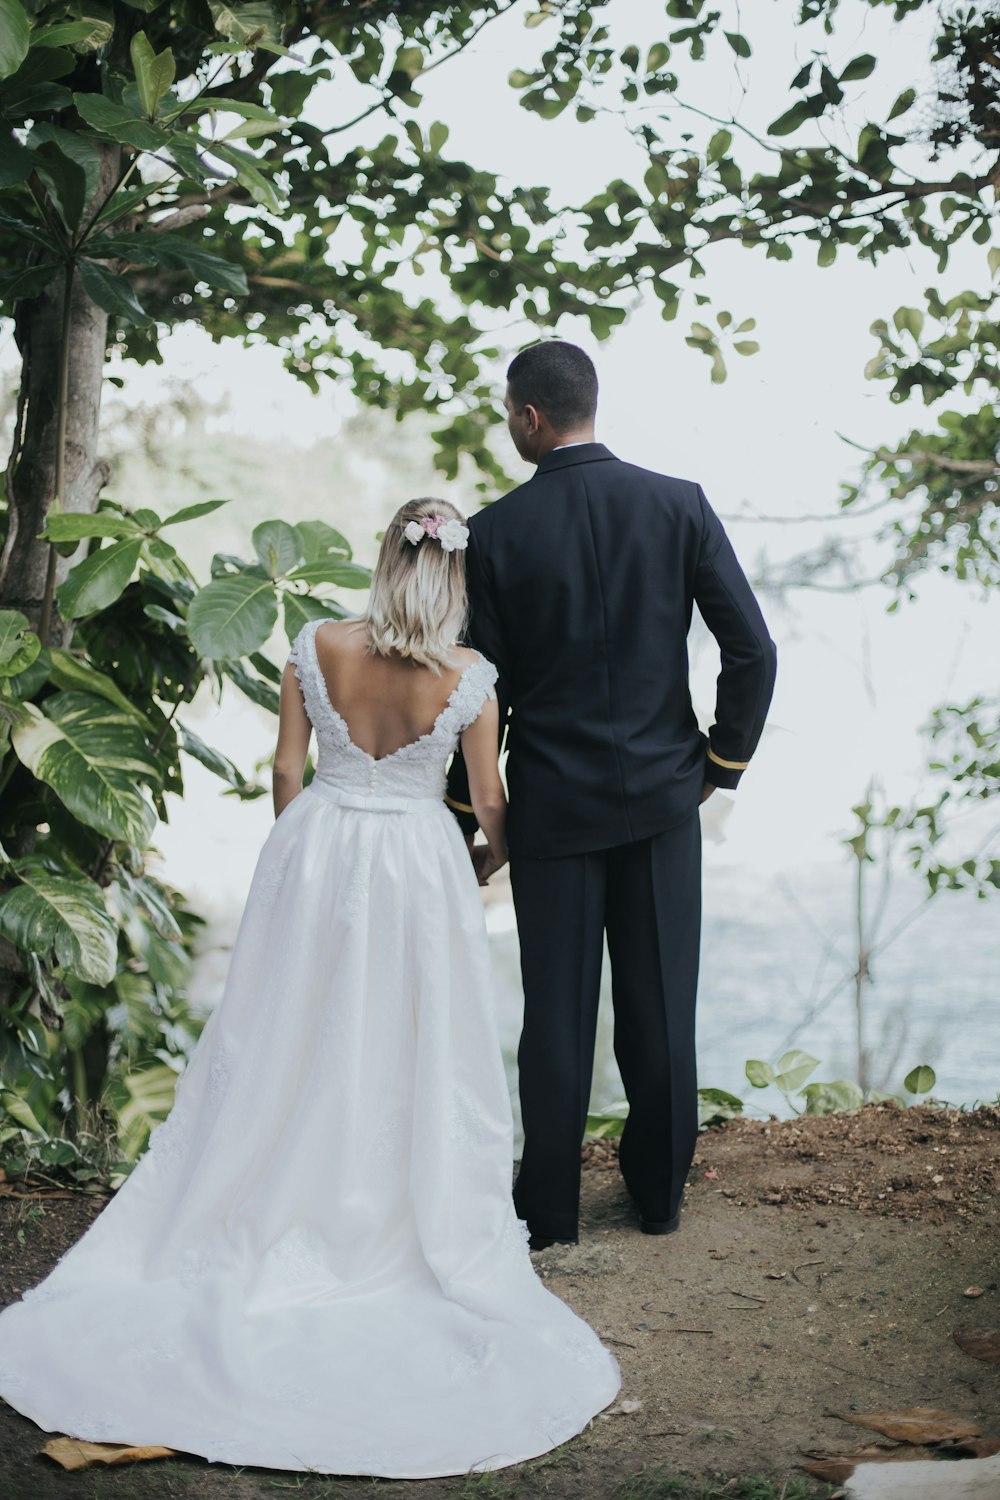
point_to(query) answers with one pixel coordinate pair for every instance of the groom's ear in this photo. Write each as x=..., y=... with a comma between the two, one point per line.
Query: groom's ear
x=532, y=417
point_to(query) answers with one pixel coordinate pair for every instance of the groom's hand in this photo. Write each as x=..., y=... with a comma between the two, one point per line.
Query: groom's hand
x=707, y=791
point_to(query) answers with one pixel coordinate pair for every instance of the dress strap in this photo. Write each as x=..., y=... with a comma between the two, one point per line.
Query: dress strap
x=474, y=687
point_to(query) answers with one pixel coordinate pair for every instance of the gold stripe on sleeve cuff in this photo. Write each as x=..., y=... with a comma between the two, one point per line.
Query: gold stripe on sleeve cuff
x=730, y=765
x=459, y=806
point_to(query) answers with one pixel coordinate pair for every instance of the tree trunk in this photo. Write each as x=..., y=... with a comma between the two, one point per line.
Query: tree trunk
x=34, y=460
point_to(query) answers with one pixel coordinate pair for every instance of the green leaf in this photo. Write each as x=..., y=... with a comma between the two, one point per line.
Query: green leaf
x=298, y=608
x=746, y=346
x=92, y=756
x=715, y=1105
x=261, y=693
x=91, y=33
x=113, y=293
x=192, y=512
x=20, y=1110
x=319, y=539
x=793, y=1069
x=69, y=671
x=791, y=119
x=65, y=180
x=657, y=57
x=173, y=252
x=826, y=254
x=146, y=1099
x=154, y=72
x=232, y=615
x=214, y=760
x=249, y=175
x=902, y=104
x=249, y=24
x=19, y=645
x=759, y=1073
x=719, y=144
x=346, y=575
x=826, y=1098
x=14, y=36
x=909, y=320
x=61, y=914
x=608, y=1122
x=739, y=43
x=860, y=67
x=115, y=121
x=920, y=1080
x=74, y=526
x=16, y=161
x=278, y=546
x=98, y=580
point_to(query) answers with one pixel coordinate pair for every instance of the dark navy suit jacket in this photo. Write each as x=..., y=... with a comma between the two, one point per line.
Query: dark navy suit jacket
x=581, y=584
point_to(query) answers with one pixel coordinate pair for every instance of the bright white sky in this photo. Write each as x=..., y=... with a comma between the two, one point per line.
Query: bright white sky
x=854, y=684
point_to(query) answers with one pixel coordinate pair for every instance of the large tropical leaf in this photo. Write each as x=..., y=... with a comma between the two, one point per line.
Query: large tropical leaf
x=319, y=539
x=64, y=914
x=233, y=615
x=92, y=756
x=69, y=671
x=98, y=581
x=73, y=526
x=298, y=608
x=278, y=546
x=218, y=763
x=173, y=253
x=333, y=569
x=142, y=1100
x=19, y=646
x=14, y=36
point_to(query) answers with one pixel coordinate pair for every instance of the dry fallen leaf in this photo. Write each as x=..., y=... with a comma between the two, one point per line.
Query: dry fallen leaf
x=915, y=1424
x=981, y=1343
x=973, y=1291
x=75, y=1453
x=629, y=1406
x=775, y=1275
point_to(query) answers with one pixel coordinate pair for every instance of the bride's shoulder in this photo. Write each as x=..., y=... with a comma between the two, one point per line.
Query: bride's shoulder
x=468, y=656
x=338, y=635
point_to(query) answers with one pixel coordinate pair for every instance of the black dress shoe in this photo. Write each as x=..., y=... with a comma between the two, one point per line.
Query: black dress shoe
x=538, y=1242
x=660, y=1226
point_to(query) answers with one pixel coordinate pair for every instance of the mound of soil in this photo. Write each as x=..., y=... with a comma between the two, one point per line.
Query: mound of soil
x=938, y=1164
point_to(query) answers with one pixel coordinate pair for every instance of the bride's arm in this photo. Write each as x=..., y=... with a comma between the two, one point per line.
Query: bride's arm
x=486, y=793
x=293, y=742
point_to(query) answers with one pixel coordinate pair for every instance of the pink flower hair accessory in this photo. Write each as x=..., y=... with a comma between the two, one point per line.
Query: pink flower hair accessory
x=451, y=535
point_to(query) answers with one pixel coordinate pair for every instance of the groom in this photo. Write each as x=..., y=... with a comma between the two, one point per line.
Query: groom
x=581, y=583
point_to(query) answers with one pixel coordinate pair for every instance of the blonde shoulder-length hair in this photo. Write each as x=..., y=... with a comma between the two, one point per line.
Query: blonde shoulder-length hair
x=418, y=607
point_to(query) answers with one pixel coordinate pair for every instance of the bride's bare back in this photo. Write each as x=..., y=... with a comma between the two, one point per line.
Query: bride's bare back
x=386, y=702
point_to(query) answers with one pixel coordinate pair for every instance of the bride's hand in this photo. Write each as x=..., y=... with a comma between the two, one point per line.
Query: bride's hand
x=485, y=863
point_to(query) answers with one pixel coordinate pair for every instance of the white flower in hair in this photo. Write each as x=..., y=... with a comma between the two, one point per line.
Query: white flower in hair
x=414, y=532
x=453, y=536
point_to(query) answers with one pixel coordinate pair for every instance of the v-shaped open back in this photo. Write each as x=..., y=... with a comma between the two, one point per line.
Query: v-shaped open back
x=416, y=768
x=406, y=744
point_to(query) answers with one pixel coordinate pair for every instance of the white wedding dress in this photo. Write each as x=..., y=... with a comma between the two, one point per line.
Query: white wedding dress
x=317, y=1263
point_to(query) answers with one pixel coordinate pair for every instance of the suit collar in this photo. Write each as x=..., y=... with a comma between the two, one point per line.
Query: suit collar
x=579, y=453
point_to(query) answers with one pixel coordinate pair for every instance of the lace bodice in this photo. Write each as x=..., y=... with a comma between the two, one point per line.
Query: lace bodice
x=415, y=770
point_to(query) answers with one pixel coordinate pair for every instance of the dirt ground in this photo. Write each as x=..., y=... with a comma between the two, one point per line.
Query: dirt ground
x=822, y=1266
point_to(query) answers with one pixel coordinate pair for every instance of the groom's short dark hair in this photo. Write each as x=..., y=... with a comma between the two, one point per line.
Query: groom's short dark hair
x=559, y=379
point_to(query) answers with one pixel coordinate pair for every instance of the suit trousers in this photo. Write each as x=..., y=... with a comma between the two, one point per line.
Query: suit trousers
x=646, y=896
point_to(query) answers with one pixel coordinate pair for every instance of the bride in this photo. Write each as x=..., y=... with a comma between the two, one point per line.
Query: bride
x=317, y=1264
